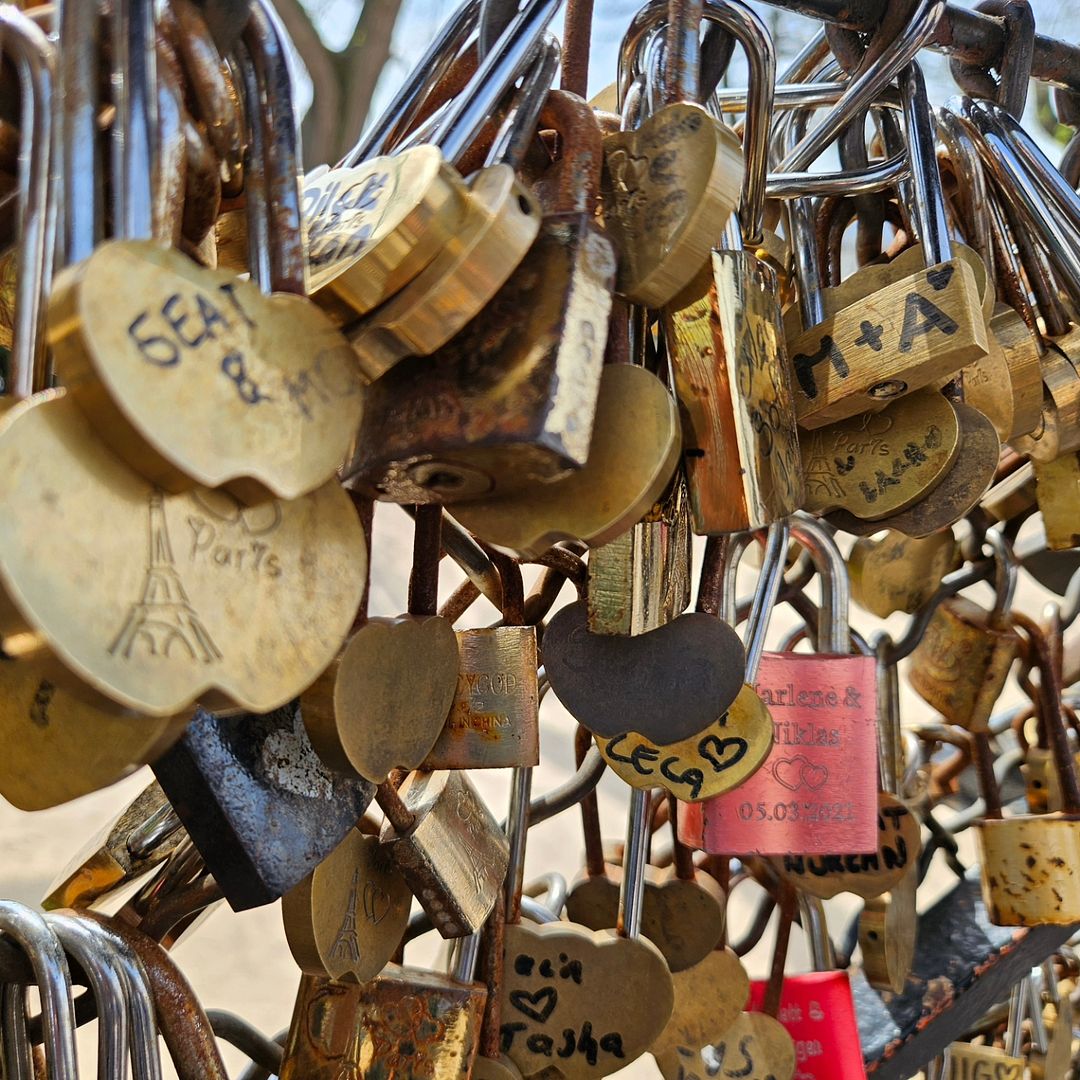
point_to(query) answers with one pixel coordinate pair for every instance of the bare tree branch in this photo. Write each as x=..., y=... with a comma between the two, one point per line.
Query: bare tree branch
x=321, y=123
x=364, y=60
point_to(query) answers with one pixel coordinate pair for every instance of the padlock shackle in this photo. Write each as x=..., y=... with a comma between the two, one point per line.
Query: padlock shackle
x=765, y=594
x=518, y=129
x=49, y=963
x=635, y=859
x=834, y=634
x=928, y=215
x=590, y=810
x=35, y=61
x=865, y=87
x=890, y=740
x=396, y=117
x=136, y=137
x=470, y=110
x=96, y=957
x=517, y=833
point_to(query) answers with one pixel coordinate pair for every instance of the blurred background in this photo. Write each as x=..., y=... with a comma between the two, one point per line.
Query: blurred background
x=350, y=57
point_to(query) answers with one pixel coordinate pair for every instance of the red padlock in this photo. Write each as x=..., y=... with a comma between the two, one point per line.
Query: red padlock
x=816, y=794
x=817, y=1008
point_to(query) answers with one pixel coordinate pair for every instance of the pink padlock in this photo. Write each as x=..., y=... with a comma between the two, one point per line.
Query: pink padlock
x=816, y=794
x=818, y=1009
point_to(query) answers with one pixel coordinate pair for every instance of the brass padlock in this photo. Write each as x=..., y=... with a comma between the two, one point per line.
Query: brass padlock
x=670, y=183
x=1030, y=863
x=728, y=351
x=1057, y=489
x=509, y=401
x=913, y=332
x=641, y=580
x=448, y=848
x=963, y=660
x=494, y=721
x=407, y=1023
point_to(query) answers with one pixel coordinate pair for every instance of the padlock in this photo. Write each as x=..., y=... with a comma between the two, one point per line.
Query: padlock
x=1057, y=488
x=914, y=332
x=268, y=381
x=374, y=709
x=447, y=846
x=670, y=183
x=817, y=1008
x=888, y=924
x=962, y=662
x=722, y=755
x=410, y=1022
x=894, y=572
x=346, y=919
x=381, y=217
x=816, y=793
x=506, y=404
x=1057, y=1014
x=641, y=579
x=682, y=911
x=633, y=453
x=727, y=349
x=145, y=834
x=502, y=218
x=1028, y=862
x=561, y=1003
x=261, y=807
x=494, y=721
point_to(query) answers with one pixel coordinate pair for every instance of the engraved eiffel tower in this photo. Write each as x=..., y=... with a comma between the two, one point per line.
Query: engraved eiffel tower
x=163, y=616
x=347, y=945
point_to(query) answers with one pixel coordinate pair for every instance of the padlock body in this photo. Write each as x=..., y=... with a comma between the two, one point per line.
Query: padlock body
x=729, y=361
x=967, y=1062
x=494, y=721
x=1031, y=870
x=962, y=662
x=816, y=794
x=1041, y=783
x=641, y=579
x=1058, y=429
x=454, y=857
x=509, y=401
x=406, y=1024
x=818, y=1011
x=1057, y=488
x=909, y=334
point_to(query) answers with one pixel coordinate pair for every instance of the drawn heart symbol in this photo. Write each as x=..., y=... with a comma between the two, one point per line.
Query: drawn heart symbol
x=593, y=1026
x=814, y=776
x=375, y=708
x=194, y=377
x=537, y=1006
x=672, y=182
x=667, y=685
x=174, y=603
x=940, y=276
x=789, y=771
x=715, y=749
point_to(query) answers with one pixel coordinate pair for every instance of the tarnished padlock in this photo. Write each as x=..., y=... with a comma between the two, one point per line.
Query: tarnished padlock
x=509, y=401
x=494, y=721
x=963, y=660
x=1030, y=864
x=447, y=846
x=412, y=1023
x=914, y=332
x=728, y=351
